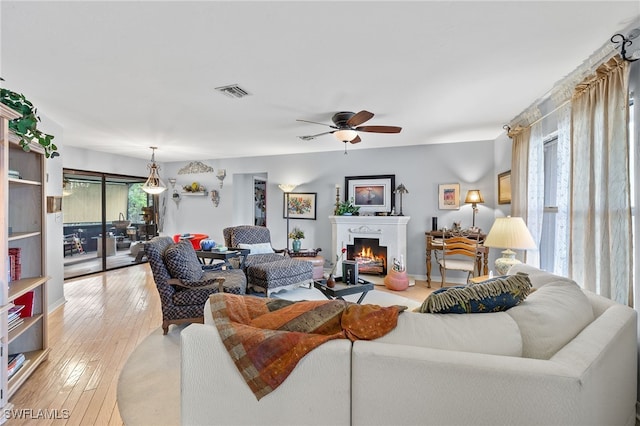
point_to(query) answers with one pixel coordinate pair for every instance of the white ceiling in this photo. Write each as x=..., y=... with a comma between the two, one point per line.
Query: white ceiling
x=122, y=76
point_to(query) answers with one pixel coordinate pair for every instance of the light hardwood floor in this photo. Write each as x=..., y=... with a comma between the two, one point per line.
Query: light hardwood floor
x=106, y=316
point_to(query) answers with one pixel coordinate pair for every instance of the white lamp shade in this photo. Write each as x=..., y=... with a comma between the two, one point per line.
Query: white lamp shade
x=510, y=233
x=287, y=187
x=345, y=135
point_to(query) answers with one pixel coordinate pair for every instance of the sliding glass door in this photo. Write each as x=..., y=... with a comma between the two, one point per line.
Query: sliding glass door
x=103, y=221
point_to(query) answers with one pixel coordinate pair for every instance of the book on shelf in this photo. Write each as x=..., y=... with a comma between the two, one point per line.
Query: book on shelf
x=14, y=312
x=15, y=323
x=15, y=362
x=25, y=300
x=15, y=266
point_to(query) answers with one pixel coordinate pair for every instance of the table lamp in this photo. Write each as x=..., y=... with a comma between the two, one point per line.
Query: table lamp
x=509, y=233
x=401, y=189
x=474, y=197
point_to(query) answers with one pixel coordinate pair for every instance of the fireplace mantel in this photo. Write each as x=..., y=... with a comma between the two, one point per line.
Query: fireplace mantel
x=390, y=230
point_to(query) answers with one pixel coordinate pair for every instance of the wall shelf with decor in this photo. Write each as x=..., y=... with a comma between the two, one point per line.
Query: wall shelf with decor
x=193, y=194
x=24, y=282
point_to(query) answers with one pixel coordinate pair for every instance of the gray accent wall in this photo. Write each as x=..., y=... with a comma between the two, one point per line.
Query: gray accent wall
x=420, y=168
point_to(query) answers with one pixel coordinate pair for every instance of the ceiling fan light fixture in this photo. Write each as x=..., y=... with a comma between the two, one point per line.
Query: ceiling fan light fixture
x=345, y=135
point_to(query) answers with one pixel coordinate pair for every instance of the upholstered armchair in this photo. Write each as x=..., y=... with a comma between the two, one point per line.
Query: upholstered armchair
x=183, y=282
x=255, y=238
x=268, y=270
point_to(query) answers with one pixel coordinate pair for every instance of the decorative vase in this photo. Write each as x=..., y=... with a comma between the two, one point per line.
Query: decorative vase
x=207, y=244
x=331, y=282
x=296, y=244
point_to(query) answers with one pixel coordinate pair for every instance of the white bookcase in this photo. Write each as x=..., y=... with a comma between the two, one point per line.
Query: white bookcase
x=22, y=216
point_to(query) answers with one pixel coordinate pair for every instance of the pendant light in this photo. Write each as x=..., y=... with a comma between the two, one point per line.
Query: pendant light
x=154, y=184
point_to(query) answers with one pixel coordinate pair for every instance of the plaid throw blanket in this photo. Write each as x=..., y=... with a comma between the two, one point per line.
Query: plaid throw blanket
x=267, y=337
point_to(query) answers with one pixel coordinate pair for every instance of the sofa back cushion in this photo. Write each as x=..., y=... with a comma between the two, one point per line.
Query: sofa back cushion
x=551, y=317
x=538, y=277
x=491, y=333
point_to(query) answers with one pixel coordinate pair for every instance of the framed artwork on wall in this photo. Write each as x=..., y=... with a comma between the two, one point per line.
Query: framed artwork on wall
x=302, y=205
x=372, y=194
x=504, y=187
x=449, y=196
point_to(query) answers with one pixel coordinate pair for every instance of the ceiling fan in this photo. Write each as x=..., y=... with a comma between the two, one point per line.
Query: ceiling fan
x=346, y=126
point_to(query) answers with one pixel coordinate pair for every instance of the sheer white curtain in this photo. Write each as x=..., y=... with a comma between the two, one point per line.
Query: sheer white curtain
x=535, y=192
x=601, y=250
x=563, y=194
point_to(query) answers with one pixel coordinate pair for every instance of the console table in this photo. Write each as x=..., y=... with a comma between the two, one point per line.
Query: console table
x=434, y=242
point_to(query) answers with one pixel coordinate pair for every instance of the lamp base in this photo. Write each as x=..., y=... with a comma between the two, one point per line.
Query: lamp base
x=505, y=262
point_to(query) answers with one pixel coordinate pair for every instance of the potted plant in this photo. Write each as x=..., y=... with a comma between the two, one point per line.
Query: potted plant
x=25, y=127
x=347, y=208
x=296, y=235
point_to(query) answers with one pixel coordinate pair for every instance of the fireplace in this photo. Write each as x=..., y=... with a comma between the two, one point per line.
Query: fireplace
x=389, y=232
x=369, y=255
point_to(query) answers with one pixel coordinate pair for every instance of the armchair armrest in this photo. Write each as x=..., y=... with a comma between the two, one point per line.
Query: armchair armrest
x=215, y=282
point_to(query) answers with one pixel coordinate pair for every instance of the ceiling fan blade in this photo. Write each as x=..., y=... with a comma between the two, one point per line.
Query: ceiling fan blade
x=311, y=137
x=315, y=122
x=379, y=129
x=356, y=140
x=360, y=118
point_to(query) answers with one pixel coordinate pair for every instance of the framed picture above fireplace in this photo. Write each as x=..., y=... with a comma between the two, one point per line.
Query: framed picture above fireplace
x=372, y=194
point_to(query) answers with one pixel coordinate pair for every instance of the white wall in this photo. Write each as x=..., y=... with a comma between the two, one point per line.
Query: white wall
x=54, y=262
x=420, y=168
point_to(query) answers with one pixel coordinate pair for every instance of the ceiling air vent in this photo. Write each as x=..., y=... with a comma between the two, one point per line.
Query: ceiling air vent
x=233, y=91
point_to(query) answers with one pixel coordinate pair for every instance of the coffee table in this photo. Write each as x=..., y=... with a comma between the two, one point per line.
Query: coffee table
x=223, y=255
x=341, y=289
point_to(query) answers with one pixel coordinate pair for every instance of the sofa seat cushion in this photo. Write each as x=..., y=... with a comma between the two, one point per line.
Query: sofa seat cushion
x=494, y=295
x=551, y=317
x=182, y=262
x=495, y=333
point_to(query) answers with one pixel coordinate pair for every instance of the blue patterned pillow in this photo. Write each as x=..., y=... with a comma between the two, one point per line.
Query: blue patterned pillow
x=182, y=262
x=494, y=295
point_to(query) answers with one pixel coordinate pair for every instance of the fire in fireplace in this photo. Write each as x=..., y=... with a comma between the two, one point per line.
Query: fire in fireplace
x=369, y=255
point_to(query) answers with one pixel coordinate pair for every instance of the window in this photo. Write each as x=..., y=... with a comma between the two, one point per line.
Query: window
x=547, y=248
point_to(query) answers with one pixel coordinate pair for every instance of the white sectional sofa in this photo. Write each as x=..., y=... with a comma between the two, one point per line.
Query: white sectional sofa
x=562, y=357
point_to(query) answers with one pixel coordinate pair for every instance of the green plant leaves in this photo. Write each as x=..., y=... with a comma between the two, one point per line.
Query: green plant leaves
x=26, y=127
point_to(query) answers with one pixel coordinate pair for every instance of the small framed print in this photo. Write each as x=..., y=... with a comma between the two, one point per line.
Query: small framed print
x=301, y=205
x=504, y=187
x=449, y=196
x=54, y=204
